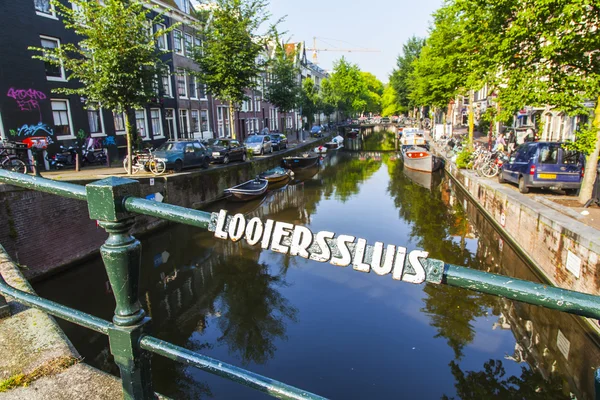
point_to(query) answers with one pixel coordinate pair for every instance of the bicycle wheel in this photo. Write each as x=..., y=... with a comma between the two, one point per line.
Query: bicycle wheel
x=15, y=165
x=135, y=167
x=157, y=167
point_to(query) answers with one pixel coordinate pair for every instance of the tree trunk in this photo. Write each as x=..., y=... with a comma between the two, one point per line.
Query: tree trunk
x=587, y=186
x=128, y=136
x=471, y=118
x=231, y=119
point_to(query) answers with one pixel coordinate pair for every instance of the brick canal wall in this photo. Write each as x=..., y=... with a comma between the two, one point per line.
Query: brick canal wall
x=566, y=251
x=43, y=232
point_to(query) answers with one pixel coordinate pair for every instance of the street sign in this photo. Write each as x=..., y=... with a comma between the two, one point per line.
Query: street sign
x=324, y=246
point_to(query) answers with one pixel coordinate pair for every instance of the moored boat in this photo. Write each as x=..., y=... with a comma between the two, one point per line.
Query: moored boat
x=305, y=160
x=248, y=190
x=277, y=175
x=420, y=159
x=321, y=149
x=335, y=144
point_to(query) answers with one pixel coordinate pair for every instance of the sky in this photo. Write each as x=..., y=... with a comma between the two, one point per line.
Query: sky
x=383, y=25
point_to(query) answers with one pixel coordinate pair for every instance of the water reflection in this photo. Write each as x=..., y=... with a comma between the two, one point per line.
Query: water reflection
x=298, y=321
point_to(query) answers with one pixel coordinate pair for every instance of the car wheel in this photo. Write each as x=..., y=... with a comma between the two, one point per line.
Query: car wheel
x=571, y=192
x=501, y=178
x=244, y=157
x=178, y=166
x=226, y=160
x=522, y=187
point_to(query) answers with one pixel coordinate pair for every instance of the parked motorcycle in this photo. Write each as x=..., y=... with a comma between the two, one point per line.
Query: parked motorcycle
x=93, y=156
x=66, y=157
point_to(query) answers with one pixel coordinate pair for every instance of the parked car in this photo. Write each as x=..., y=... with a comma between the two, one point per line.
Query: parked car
x=385, y=120
x=316, y=131
x=259, y=144
x=544, y=165
x=224, y=150
x=183, y=154
x=278, y=141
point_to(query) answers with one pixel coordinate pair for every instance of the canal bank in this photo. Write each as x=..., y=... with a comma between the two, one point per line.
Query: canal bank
x=564, y=250
x=37, y=360
x=45, y=233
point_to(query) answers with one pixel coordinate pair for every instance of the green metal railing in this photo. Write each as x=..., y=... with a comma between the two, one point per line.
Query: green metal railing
x=114, y=202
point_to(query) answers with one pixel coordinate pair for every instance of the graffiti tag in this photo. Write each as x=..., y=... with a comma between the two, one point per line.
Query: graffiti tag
x=27, y=99
x=109, y=141
x=33, y=130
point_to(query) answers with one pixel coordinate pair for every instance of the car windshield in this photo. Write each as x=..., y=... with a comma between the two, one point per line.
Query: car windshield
x=316, y=128
x=171, y=146
x=275, y=137
x=254, y=139
x=223, y=143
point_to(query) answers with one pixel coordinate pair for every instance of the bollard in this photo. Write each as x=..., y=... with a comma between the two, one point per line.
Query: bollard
x=107, y=157
x=77, y=161
x=36, y=168
x=4, y=308
x=121, y=254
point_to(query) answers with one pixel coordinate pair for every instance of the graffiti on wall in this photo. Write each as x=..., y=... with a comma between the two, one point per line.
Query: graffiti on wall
x=27, y=99
x=109, y=141
x=40, y=129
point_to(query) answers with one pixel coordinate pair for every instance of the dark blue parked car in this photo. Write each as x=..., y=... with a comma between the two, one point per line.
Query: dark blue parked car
x=544, y=165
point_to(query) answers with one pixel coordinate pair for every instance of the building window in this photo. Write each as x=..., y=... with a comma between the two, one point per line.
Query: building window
x=53, y=72
x=157, y=129
x=195, y=121
x=223, y=120
x=202, y=90
x=193, y=90
x=198, y=45
x=94, y=115
x=184, y=122
x=119, y=120
x=204, y=120
x=181, y=87
x=171, y=127
x=177, y=42
x=166, y=84
x=189, y=45
x=44, y=8
x=161, y=41
x=140, y=123
x=62, y=118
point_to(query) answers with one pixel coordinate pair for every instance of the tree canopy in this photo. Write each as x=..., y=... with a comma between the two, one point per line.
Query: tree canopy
x=283, y=88
x=400, y=76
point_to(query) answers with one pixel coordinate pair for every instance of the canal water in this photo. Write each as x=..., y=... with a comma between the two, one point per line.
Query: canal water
x=334, y=331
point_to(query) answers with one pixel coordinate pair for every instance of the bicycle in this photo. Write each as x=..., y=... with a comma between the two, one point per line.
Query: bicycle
x=11, y=162
x=145, y=160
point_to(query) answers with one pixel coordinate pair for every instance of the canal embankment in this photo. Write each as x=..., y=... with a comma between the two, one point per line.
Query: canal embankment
x=45, y=233
x=37, y=360
x=563, y=249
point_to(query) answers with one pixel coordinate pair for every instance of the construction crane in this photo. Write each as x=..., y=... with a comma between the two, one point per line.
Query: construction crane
x=315, y=50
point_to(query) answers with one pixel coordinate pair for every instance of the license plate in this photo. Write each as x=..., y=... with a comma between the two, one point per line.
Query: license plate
x=547, y=176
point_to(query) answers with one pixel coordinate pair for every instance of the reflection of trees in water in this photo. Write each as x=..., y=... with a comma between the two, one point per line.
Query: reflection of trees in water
x=433, y=228
x=492, y=383
x=254, y=314
x=345, y=178
x=379, y=141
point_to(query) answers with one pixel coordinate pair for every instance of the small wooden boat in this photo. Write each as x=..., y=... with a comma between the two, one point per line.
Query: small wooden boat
x=420, y=159
x=321, y=149
x=248, y=190
x=277, y=175
x=335, y=144
x=305, y=160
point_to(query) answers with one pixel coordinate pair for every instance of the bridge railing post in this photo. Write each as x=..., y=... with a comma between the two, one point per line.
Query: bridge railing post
x=121, y=254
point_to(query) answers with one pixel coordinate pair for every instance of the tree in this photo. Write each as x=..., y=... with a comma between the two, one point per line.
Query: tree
x=327, y=98
x=550, y=56
x=389, y=102
x=399, y=79
x=229, y=57
x=349, y=87
x=116, y=60
x=283, y=89
x=309, y=100
x=372, y=93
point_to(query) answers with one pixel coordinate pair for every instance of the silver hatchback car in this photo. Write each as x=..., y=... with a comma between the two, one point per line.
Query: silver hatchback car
x=259, y=144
